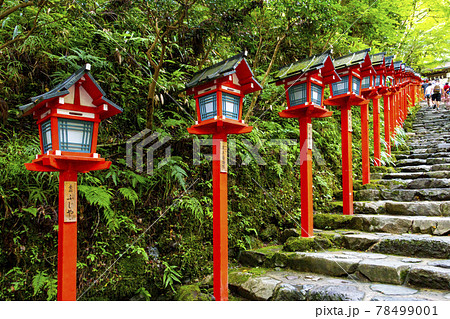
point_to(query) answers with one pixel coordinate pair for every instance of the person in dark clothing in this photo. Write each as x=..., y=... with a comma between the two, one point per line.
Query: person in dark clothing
x=424, y=87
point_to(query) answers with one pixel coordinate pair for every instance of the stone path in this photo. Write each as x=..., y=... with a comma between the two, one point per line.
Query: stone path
x=395, y=247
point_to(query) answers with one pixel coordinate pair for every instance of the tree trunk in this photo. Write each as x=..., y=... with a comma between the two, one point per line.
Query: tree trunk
x=256, y=94
x=151, y=100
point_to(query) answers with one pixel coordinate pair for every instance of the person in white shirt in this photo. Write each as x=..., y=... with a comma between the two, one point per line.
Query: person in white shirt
x=428, y=92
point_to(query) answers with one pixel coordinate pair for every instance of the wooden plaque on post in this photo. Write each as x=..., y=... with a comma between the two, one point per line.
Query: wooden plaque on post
x=70, y=202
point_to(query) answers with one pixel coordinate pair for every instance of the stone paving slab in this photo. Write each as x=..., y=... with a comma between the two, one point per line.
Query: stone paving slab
x=423, y=208
x=403, y=195
x=414, y=175
x=289, y=285
x=423, y=155
x=411, y=245
x=438, y=226
x=361, y=266
x=417, y=183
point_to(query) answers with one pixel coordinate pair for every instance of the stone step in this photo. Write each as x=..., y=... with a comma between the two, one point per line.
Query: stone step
x=395, y=224
x=403, y=195
x=428, y=138
x=438, y=155
x=415, y=175
x=392, y=184
x=426, y=208
x=441, y=147
x=435, y=225
x=356, y=266
x=261, y=284
x=412, y=245
x=419, y=161
x=425, y=168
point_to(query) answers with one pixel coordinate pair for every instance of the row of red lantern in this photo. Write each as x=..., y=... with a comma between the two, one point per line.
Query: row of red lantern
x=69, y=115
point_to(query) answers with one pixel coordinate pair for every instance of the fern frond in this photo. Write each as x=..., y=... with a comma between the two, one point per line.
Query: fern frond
x=99, y=196
x=129, y=194
x=39, y=281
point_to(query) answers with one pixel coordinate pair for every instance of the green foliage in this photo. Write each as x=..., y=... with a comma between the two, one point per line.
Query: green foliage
x=144, y=293
x=42, y=281
x=170, y=276
x=129, y=194
x=101, y=197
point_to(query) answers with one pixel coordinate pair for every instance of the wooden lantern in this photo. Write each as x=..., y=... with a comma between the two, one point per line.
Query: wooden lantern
x=304, y=82
x=218, y=91
x=68, y=117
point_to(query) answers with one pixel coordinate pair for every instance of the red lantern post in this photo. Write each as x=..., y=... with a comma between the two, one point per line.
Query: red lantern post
x=378, y=62
x=344, y=94
x=369, y=91
x=397, y=101
x=218, y=91
x=68, y=117
x=304, y=82
x=387, y=103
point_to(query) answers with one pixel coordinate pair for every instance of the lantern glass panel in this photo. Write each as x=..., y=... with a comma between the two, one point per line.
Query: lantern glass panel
x=316, y=94
x=208, y=106
x=230, y=106
x=75, y=135
x=340, y=87
x=377, y=80
x=384, y=80
x=365, y=83
x=356, y=85
x=46, y=130
x=297, y=94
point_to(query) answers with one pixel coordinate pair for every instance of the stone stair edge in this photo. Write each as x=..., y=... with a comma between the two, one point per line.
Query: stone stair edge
x=261, y=284
x=359, y=266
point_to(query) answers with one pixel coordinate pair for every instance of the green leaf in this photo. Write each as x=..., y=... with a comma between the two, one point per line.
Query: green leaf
x=32, y=210
x=16, y=31
x=129, y=194
x=39, y=281
x=52, y=288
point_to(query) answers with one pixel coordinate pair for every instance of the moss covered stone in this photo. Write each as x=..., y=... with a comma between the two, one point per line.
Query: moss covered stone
x=191, y=293
x=383, y=169
x=332, y=221
x=238, y=278
x=307, y=244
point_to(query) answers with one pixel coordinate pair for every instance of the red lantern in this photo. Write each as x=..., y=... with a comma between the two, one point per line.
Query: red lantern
x=68, y=117
x=304, y=82
x=219, y=91
x=344, y=94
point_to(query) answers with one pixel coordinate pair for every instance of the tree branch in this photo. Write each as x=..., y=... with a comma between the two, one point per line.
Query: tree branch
x=11, y=10
x=35, y=26
x=269, y=68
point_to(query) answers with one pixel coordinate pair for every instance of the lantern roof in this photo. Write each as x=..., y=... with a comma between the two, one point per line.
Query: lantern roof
x=359, y=57
x=409, y=69
x=378, y=59
x=388, y=60
x=397, y=65
x=90, y=86
x=235, y=65
x=312, y=63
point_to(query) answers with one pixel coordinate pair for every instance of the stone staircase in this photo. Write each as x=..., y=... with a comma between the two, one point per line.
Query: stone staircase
x=395, y=247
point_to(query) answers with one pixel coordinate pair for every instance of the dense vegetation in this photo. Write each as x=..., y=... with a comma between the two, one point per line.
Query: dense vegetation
x=143, y=234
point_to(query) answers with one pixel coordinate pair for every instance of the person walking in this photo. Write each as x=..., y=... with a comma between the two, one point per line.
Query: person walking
x=436, y=96
x=447, y=93
x=424, y=86
x=428, y=92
